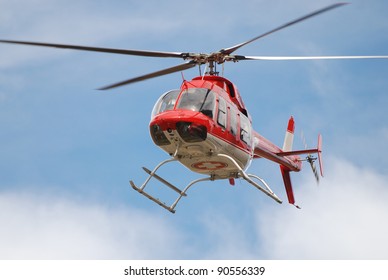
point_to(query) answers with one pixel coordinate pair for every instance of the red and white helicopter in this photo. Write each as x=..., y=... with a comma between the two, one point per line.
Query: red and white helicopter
x=205, y=125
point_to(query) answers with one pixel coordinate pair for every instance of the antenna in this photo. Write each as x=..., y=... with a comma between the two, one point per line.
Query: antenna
x=183, y=77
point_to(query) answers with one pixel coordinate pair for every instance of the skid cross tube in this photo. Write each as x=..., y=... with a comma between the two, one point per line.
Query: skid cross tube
x=152, y=174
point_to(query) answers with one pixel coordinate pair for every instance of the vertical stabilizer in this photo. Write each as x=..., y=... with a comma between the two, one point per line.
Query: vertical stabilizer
x=289, y=138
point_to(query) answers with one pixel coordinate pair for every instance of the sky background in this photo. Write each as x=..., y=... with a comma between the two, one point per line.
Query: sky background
x=68, y=151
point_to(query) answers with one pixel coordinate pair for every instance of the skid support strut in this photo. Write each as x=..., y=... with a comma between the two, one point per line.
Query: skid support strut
x=249, y=178
x=152, y=174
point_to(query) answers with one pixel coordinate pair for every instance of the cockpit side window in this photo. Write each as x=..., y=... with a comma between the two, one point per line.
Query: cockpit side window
x=166, y=102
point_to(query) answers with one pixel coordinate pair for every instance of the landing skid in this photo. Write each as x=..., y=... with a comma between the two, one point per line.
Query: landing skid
x=241, y=174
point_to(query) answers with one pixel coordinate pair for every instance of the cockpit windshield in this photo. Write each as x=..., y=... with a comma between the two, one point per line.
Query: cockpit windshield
x=199, y=100
x=194, y=99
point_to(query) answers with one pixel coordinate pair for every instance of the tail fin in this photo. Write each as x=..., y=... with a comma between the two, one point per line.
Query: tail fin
x=289, y=138
x=287, y=147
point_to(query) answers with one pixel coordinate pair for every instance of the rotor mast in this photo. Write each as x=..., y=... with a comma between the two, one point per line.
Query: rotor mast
x=212, y=71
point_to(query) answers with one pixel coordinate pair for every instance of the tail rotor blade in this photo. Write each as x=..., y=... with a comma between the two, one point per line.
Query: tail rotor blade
x=311, y=160
x=303, y=139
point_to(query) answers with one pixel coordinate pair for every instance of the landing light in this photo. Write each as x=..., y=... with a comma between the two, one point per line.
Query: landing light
x=191, y=132
x=158, y=136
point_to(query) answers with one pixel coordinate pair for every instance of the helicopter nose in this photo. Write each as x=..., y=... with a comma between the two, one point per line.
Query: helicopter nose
x=189, y=132
x=190, y=126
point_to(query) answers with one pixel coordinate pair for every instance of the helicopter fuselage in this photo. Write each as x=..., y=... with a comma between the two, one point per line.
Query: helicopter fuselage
x=202, y=122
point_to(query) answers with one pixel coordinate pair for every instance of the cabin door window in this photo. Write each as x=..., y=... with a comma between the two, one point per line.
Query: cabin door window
x=221, y=119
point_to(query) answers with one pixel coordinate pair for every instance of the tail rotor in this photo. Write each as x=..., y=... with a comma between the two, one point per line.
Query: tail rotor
x=311, y=159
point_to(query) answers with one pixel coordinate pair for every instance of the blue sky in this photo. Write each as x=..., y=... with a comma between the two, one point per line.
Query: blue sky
x=68, y=151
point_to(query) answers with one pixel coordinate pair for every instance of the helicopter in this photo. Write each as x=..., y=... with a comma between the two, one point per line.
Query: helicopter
x=205, y=126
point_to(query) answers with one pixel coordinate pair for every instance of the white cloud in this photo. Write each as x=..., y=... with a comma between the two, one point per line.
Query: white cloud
x=227, y=238
x=345, y=218
x=42, y=227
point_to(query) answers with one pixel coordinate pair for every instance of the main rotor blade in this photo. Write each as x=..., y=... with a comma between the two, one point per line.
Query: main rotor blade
x=166, y=71
x=236, y=47
x=242, y=57
x=97, y=49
